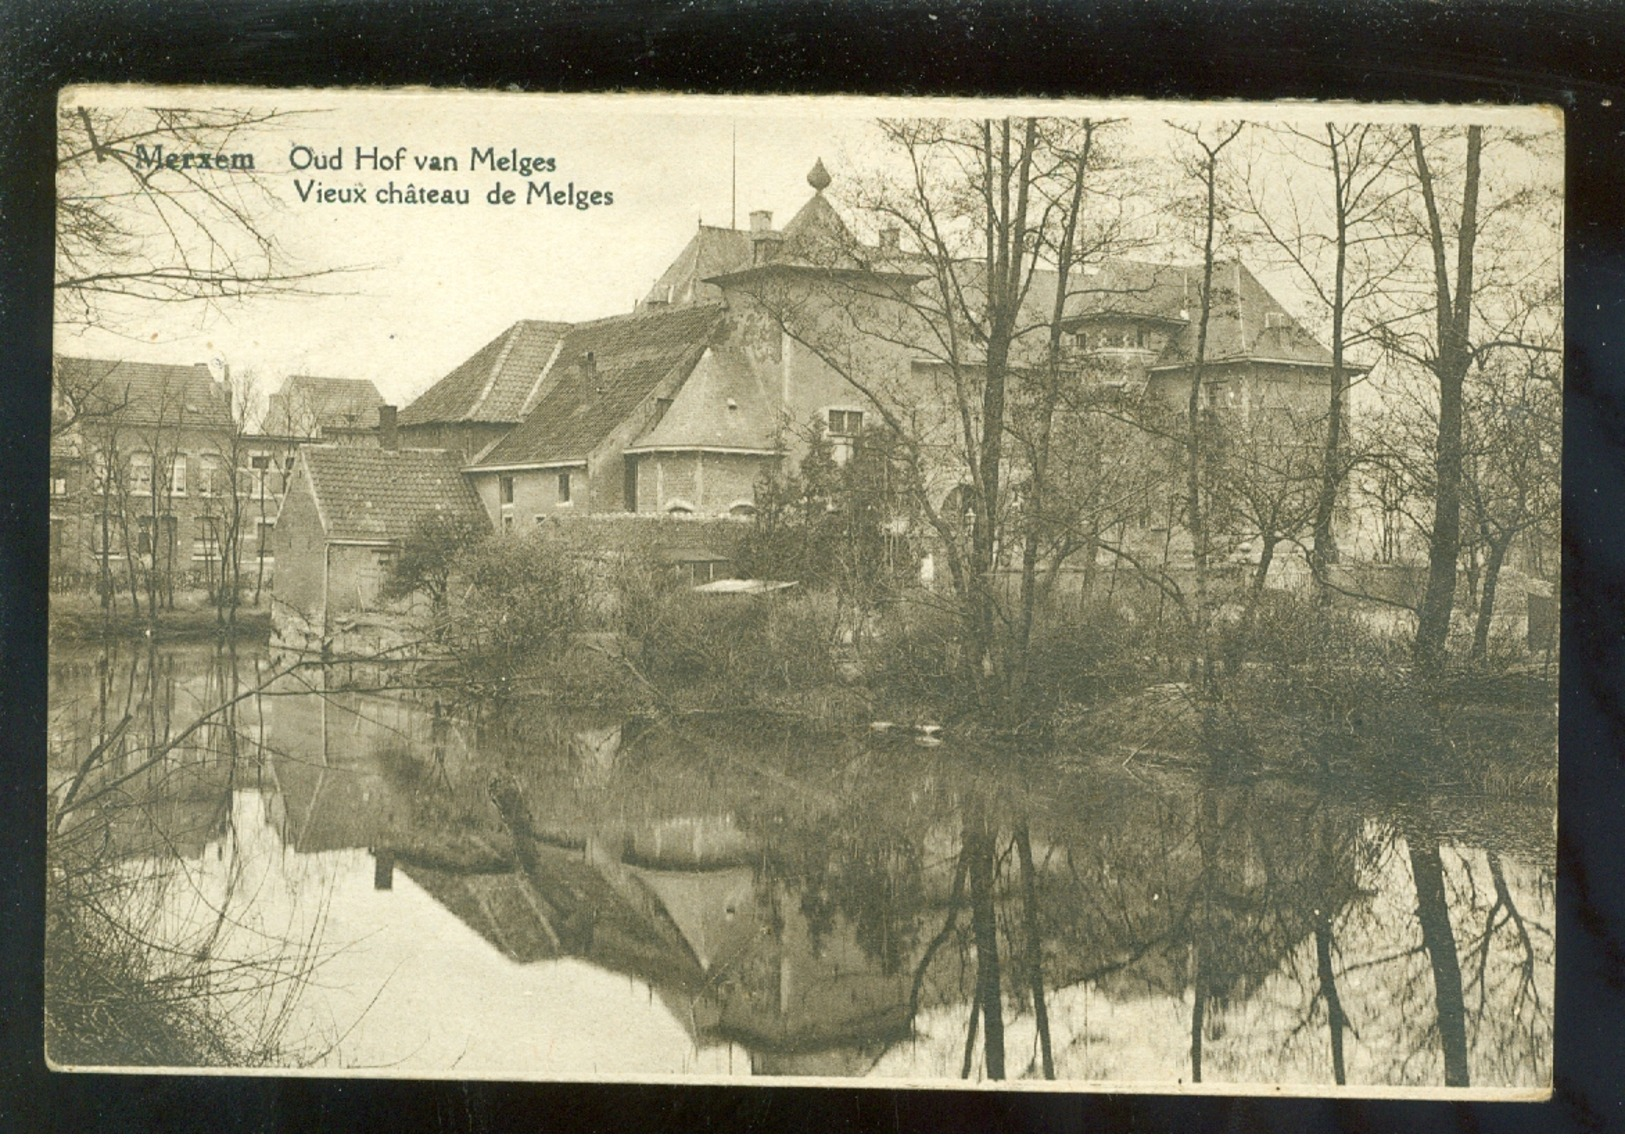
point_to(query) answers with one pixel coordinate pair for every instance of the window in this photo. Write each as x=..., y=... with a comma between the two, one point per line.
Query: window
x=206, y=546
x=259, y=468
x=1139, y=338
x=141, y=474
x=59, y=487
x=143, y=537
x=177, y=475
x=564, y=487
x=505, y=487
x=848, y=424
x=1082, y=340
x=210, y=476
x=98, y=471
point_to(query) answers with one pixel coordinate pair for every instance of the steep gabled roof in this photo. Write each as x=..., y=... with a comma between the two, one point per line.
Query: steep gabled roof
x=1245, y=322
x=629, y=357
x=712, y=251
x=1239, y=324
x=141, y=394
x=725, y=404
x=371, y=494
x=1126, y=288
x=307, y=403
x=497, y=384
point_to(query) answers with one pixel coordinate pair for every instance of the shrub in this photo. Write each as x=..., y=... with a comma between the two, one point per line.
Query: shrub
x=524, y=601
x=770, y=642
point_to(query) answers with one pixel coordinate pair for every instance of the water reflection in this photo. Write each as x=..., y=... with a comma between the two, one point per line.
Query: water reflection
x=557, y=894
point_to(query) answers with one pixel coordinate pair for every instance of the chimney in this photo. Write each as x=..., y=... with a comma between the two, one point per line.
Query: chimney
x=888, y=239
x=764, y=242
x=589, y=372
x=387, y=437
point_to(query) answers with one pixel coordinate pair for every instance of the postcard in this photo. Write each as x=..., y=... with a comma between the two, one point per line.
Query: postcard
x=1012, y=594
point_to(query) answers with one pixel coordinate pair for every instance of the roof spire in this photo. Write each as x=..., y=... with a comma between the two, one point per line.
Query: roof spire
x=818, y=177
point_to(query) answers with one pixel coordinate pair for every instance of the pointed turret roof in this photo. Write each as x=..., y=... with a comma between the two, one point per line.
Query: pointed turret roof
x=726, y=404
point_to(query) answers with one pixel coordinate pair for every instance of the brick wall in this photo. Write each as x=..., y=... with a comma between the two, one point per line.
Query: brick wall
x=709, y=483
x=534, y=492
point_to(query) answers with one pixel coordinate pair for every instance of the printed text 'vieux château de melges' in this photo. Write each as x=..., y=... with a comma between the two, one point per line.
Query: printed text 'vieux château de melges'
x=486, y=159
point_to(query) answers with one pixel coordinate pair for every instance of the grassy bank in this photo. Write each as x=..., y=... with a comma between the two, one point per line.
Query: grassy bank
x=80, y=617
x=1297, y=691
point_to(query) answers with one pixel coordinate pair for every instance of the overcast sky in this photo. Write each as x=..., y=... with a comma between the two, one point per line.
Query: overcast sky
x=431, y=284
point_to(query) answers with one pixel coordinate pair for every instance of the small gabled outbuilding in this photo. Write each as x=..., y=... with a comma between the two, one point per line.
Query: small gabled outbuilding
x=342, y=524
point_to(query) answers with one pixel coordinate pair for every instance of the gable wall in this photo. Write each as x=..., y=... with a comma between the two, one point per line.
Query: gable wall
x=301, y=546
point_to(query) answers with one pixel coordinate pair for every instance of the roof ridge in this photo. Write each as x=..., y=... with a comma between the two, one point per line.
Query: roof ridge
x=533, y=396
x=662, y=310
x=512, y=336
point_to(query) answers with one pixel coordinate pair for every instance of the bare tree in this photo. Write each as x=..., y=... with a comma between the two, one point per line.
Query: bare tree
x=133, y=229
x=955, y=340
x=1339, y=237
x=1511, y=470
x=1204, y=168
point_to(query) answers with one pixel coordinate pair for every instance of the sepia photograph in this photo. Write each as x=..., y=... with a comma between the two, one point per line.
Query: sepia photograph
x=809, y=590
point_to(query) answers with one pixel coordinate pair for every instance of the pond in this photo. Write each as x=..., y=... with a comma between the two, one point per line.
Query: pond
x=566, y=895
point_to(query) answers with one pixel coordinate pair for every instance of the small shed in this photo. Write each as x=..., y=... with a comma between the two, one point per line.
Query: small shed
x=342, y=523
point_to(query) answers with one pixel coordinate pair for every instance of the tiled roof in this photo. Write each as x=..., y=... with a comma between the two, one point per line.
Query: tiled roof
x=817, y=236
x=725, y=403
x=308, y=403
x=1238, y=324
x=141, y=394
x=630, y=356
x=370, y=494
x=497, y=384
x=711, y=252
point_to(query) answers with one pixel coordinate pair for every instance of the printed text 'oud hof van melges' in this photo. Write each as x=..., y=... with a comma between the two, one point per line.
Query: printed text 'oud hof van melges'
x=309, y=161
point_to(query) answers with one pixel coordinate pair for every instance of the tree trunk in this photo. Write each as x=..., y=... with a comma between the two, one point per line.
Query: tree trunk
x=1035, y=948
x=1454, y=356
x=1328, y=992
x=979, y=845
x=1433, y=912
x=1324, y=552
x=1486, y=605
x=1048, y=401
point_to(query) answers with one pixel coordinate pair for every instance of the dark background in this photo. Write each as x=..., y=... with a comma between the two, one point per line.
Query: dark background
x=1568, y=54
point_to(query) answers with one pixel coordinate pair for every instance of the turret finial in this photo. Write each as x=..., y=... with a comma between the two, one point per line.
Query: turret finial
x=818, y=177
